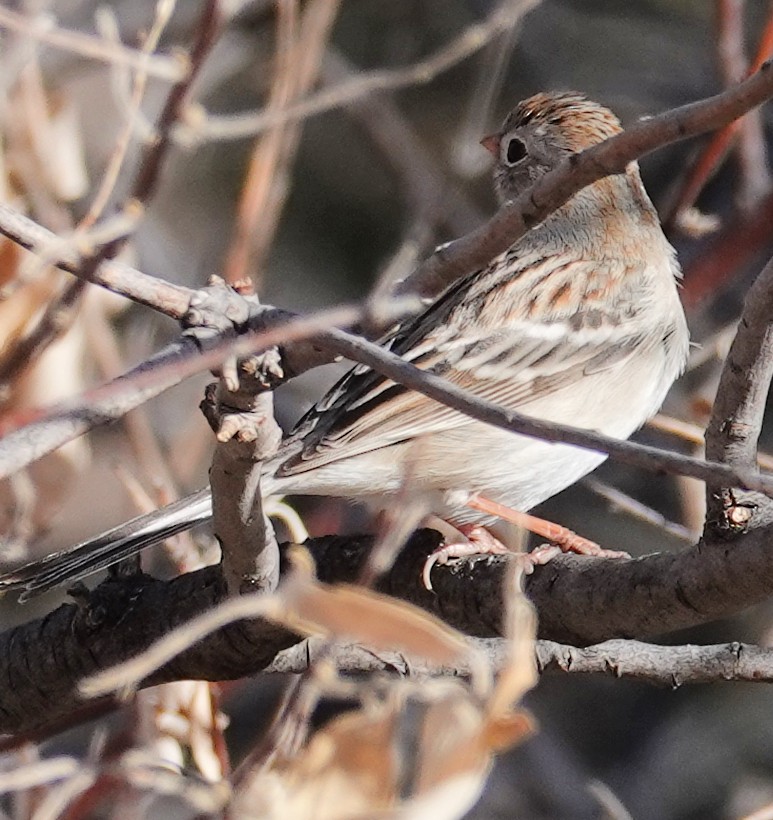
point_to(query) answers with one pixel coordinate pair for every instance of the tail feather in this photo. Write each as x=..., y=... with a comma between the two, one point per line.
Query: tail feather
x=109, y=548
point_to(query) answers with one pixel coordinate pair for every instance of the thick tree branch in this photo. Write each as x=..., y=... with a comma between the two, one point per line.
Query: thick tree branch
x=580, y=601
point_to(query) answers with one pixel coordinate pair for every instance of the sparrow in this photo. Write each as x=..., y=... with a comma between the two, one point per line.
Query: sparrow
x=578, y=322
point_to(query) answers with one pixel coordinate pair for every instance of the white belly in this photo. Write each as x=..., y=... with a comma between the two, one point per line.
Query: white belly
x=515, y=470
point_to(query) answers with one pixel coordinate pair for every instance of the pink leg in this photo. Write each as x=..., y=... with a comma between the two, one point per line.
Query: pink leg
x=562, y=537
x=481, y=542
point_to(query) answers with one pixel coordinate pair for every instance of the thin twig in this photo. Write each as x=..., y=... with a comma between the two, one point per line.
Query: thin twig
x=207, y=31
x=208, y=128
x=61, y=311
x=299, y=52
x=46, y=30
x=467, y=158
x=636, y=509
x=687, y=431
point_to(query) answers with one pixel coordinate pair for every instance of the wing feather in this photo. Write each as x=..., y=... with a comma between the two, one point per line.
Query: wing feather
x=513, y=361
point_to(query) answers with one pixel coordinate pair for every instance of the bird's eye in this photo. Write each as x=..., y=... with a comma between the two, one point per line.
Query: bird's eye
x=516, y=151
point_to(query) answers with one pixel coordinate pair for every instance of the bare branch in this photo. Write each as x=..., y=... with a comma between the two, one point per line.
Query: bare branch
x=46, y=30
x=472, y=39
x=475, y=250
x=580, y=601
x=117, y=277
x=737, y=414
x=670, y=666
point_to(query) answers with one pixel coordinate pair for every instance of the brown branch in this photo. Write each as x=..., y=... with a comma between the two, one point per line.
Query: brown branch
x=751, y=149
x=580, y=601
x=552, y=190
x=238, y=126
x=117, y=277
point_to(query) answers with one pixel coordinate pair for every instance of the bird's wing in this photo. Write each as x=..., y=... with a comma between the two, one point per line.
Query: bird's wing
x=512, y=360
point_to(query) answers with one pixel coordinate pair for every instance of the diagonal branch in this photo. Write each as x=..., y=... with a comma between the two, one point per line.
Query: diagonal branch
x=557, y=186
x=181, y=360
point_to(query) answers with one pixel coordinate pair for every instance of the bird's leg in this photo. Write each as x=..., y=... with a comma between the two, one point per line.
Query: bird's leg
x=479, y=541
x=475, y=540
x=560, y=536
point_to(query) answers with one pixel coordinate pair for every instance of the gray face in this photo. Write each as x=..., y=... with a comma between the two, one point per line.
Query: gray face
x=525, y=154
x=542, y=131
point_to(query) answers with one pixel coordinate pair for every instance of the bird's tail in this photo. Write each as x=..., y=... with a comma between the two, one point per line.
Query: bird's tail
x=121, y=542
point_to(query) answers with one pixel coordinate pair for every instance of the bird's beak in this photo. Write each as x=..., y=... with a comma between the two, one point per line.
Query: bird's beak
x=491, y=144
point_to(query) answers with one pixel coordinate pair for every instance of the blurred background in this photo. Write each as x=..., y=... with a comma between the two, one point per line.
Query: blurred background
x=355, y=196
